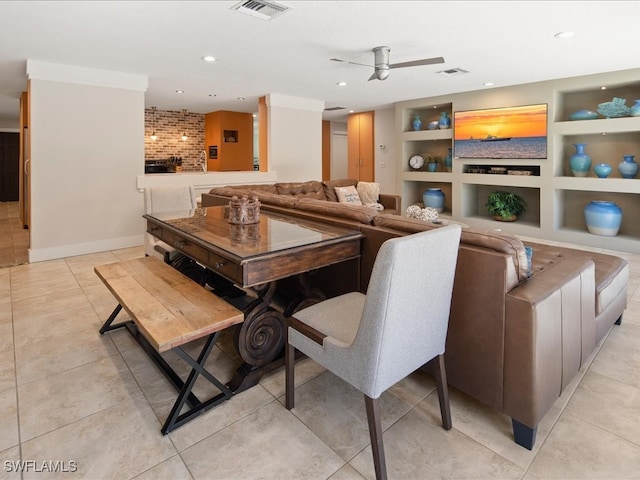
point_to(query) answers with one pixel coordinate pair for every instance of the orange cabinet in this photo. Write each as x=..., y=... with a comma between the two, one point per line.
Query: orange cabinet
x=228, y=140
x=360, y=152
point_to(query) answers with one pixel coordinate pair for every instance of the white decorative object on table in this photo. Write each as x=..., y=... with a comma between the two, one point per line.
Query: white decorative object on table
x=427, y=214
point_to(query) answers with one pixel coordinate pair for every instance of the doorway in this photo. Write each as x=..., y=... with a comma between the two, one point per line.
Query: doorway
x=9, y=167
x=14, y=239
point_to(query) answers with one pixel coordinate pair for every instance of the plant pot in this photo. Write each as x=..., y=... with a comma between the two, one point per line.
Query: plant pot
x=512, y=218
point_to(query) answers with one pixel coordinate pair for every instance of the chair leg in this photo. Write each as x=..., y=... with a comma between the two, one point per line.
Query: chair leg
x=443, y=392
x=375, y=433
x=289, y=383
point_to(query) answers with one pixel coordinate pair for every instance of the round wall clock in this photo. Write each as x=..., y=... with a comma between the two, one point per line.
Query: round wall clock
x=416, y=162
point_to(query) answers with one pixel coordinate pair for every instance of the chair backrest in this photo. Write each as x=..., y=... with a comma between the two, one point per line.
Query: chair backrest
x=169, y=198
x=406, y=313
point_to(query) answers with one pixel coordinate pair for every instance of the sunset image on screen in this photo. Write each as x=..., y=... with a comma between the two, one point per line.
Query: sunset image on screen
x=509, y=132
x=526, y=121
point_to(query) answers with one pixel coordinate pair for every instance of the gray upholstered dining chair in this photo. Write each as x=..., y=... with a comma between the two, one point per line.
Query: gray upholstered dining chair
x=373, y=341
x=178, y=198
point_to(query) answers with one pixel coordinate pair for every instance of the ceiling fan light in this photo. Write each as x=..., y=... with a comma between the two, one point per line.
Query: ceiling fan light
x=382, y=73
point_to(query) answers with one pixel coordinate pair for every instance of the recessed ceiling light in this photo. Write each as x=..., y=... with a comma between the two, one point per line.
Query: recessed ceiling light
x=564, y=34
x=488, y=84
x=208, y=58
x=240, y=98
x=604, y=87
x=212, y=94
x=342, y=84
x=179, y=91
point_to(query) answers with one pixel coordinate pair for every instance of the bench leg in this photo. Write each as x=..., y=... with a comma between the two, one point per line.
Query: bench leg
x=107, y=325
x=175, y=419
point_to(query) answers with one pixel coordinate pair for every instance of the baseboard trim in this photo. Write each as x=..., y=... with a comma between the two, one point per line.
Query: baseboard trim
x=63, y=251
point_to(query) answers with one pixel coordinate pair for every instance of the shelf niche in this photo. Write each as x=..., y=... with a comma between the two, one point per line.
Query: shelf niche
x=475, y=199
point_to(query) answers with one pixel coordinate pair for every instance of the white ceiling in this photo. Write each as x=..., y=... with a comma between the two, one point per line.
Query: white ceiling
x=505, y=42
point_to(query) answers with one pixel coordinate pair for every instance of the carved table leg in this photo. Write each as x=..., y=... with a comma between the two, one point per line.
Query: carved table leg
x=259, y=341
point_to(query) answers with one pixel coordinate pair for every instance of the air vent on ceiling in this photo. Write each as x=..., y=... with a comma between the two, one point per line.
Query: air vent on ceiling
x=333, y=109
x=452, y=71
x=263, y=9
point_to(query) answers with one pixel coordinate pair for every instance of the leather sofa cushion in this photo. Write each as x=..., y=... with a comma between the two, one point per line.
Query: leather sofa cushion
x=330, y=185
x=359, y=213
x=402, y=224
x=268, y=198
x=611, y=271
x=230, y=191
x=310, y=189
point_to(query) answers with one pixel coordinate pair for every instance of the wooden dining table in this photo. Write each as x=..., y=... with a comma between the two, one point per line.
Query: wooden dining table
x=254, y=258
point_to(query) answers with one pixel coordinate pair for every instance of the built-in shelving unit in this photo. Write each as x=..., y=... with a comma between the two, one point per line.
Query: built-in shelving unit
x=555, y=198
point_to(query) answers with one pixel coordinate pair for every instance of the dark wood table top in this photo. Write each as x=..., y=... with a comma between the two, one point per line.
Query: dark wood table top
x=277, y=247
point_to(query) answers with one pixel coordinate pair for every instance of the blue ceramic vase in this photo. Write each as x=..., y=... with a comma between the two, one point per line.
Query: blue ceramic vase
x=580, y=162
x=445, y=121
x=629, y=167
x=434, y=198
x=448, y=160
x=603, y=170
x=417, y=123
x=603, y=218
x=634, y=111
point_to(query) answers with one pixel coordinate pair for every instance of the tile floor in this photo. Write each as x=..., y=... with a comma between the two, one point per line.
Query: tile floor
x=68, y=394
x=14, y=240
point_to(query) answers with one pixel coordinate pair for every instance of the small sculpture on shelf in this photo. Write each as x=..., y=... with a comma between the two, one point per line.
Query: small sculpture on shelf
x=614, y=108
x=426, y=214
x=245, y=210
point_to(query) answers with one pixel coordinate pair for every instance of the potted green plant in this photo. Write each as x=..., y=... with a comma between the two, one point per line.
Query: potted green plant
x=432, y=162
x=505, y=206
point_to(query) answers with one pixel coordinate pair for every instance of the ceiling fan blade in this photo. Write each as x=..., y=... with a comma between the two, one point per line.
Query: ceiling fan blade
x=372, y=77
x=352, y=63
x=417, y=63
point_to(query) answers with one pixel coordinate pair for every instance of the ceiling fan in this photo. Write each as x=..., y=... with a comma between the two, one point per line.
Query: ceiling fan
x=382, y=66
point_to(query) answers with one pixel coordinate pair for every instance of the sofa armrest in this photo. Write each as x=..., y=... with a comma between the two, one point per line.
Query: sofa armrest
x=391, y=203
x=549, y=334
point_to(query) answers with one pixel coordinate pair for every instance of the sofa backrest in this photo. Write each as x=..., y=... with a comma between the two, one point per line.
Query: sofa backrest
x=330, y=185
x=310, y=189
x=489, y=239
x=358, y=213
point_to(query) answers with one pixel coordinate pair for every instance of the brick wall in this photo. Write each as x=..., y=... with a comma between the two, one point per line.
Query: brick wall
x=169, y=126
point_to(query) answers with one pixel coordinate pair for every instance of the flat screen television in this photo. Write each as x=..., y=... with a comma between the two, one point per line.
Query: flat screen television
x=507, y=132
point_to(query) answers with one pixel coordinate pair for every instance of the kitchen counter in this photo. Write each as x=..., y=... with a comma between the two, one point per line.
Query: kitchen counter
x=203, y=182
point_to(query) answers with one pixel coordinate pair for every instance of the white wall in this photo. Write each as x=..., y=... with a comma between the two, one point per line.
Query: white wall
x=339, y=150
x=385, y=150
x=87, y=148
x=295, y=137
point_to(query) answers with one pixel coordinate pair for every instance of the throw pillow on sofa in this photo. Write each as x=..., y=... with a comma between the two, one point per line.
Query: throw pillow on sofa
x=348, y=195
x=369, y=193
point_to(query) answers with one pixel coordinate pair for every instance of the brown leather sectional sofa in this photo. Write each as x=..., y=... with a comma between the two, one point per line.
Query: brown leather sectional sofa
x=515, y=340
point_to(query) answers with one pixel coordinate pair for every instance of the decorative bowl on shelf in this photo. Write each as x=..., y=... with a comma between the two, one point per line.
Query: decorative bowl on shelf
x=603, y=170
x=433, y=125
x=613, y=109
x=583, y=115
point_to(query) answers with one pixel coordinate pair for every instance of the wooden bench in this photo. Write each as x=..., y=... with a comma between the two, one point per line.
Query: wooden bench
x=168, y=310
